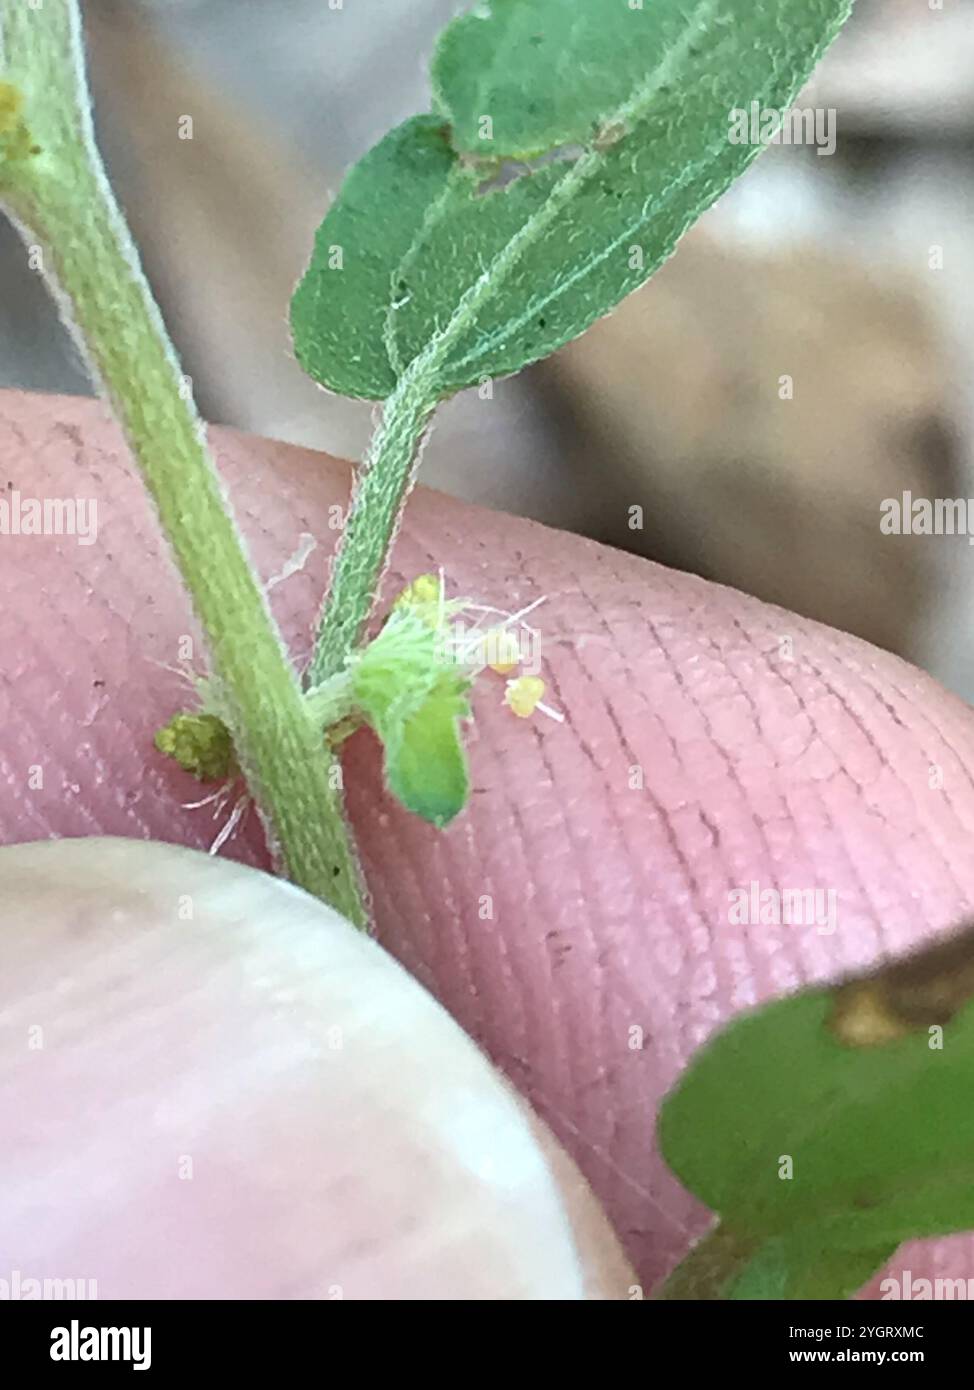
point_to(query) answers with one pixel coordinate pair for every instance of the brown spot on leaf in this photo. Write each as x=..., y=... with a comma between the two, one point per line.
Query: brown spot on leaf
x=927, y=988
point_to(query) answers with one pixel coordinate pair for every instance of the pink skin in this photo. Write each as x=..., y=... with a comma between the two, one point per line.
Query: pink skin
x=610, y=903
x=213, y=1089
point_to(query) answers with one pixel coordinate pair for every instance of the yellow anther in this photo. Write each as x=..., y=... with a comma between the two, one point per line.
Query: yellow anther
x=522, y=695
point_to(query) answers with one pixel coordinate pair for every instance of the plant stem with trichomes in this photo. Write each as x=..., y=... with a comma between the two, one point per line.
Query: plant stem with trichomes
x=59, y=197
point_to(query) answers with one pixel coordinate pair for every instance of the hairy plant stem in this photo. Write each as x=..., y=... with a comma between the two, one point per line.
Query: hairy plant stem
x=380, y=493
x=387, y=471
x=60, y=200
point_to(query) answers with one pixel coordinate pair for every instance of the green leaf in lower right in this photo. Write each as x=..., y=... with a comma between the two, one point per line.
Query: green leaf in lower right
x=829, y=1127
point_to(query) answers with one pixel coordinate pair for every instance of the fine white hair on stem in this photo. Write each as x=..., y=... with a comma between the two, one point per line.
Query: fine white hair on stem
x=219, y=800
x=240, y=808
x=187, y=676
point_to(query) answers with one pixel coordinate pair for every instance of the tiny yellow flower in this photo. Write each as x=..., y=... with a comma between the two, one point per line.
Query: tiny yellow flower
x=522, y=695
x=424, y=596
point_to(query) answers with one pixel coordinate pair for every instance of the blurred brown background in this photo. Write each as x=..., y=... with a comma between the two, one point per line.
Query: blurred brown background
x=818, y=269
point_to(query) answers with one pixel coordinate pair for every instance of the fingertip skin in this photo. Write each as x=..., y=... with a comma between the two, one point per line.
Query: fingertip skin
x=214, y=1087
x=575, y=919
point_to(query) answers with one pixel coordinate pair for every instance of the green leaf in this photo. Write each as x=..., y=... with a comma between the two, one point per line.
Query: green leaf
x=806, y=1268
x=339, y=310
x=853, y=1086
x=429, y=263
x=546, y=73
x=414, y=701
x=426, y=767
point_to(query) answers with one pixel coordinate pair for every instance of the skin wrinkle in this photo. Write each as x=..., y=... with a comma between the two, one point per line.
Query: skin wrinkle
x=575, y=857
x=858, y=782
x=509, y=975
x=660, y=811
x=850, y=859
x=639, y=955
x=842, y=699
x=665, y=820
x=580, y=1034
x=522, y=893
x=921, y=718
x=662, y=818
x=505, y=967
x=857, y=720
x=847, y=849
x=634, y=760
